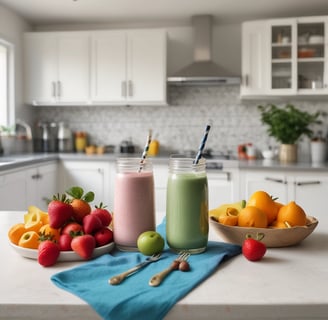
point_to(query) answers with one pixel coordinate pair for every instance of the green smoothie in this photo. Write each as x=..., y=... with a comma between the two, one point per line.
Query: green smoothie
x=187, y=211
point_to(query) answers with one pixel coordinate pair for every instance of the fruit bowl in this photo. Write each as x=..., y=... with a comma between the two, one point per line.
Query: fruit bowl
x=273, y=237
x=64, y=255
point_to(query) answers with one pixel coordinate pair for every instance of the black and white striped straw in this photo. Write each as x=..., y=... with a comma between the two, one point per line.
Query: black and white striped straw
x=202, y=144
x=145, y=151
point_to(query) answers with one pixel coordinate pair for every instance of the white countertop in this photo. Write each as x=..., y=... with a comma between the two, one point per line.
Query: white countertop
x=289, y=283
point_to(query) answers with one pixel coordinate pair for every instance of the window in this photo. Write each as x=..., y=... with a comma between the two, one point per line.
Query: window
x=6, y=84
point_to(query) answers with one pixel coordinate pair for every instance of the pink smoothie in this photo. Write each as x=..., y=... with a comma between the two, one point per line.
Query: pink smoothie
x=134, y=208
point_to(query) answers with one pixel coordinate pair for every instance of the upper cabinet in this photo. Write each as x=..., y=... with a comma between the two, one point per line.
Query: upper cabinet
x=129, y=67
x=96, y=67
x=57, y=68
x=285, y=57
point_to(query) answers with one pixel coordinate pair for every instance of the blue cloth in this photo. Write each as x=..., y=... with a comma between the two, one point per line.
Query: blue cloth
x=134, y=298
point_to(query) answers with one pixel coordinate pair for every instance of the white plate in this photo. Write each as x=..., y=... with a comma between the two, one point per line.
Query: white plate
x=64, y=255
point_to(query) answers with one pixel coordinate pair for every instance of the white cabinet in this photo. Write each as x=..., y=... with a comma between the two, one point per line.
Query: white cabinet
x=32, y=185
x=308, y=189
x=57, y=67
x=254, y=58
x=93, y=176
x=129, y=67
x=285, y=57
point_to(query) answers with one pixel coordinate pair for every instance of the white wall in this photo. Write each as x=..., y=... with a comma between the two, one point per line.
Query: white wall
x=11, y=29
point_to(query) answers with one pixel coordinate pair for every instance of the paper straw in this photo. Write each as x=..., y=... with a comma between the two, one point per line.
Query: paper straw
x=144, y=154
x=202, y=144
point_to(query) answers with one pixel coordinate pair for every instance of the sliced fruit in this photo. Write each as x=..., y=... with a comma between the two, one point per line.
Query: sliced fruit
x=29, y=239
x=15, y=232
x=221, y=210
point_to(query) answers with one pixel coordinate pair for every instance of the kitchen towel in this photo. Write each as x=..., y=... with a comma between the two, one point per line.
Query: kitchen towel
x=134, y=298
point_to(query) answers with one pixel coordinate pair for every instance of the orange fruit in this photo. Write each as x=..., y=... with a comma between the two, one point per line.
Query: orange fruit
x=263, y=201
x=50, y=233
x=34, y=213
x=292, y=214
x=81, y=208
x=252, y=217
x=278, y=225
x=15, y=232
x=230, y=218
x=33, y=225
x=29, y=239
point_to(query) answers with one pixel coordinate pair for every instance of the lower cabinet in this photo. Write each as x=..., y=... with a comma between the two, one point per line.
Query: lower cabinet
x=32, y=185
x=93, y=176
x=308, y=189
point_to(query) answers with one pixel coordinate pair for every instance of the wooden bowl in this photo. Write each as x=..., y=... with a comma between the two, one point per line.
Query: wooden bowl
x=273, y=237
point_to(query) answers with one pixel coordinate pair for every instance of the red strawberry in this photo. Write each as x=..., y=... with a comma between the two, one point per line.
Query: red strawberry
x=59, y=211
x=48, y=253
x=73, y=229
x=84, y=246
x=91, y=224
x=103, y=236
x=253, y=249
x=103, y=214
x=65, y=242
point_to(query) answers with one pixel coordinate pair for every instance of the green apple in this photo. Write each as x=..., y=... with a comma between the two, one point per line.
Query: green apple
x=150, y=242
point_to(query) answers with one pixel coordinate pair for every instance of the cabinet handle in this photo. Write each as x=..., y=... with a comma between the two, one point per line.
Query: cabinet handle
x=276, y=180
x=36, y=176
x=123, y=88
x=305, y=183
x=130, y=83
x=59, y=88
x=54, y=91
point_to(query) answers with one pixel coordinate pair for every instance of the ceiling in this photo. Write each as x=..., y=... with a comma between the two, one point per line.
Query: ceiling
x=50, y=12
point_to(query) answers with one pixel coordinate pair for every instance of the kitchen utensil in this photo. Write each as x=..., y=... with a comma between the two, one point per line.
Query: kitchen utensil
x=273, y=237
x=120, y=277
x=157, y=279
x=64, y=138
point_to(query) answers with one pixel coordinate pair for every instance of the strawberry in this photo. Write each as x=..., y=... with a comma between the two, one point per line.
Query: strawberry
x=253, y=249
x=65, y=242
x=103, y=236
x=48, y=253
x=73, y=229
x=103, y=214
x=91, y=224
x=60, y=211
x=84, y=246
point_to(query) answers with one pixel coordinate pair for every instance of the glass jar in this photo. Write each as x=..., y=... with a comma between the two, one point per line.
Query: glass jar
x=80, y=141
x=187, y=205
x=134, y=202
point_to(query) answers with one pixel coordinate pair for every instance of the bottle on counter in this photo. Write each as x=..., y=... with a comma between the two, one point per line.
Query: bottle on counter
x=80, y=141
x=64, y=138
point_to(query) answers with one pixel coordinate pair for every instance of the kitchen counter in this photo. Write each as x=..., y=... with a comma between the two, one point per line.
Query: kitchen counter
x=16, y=161
x=289, y=283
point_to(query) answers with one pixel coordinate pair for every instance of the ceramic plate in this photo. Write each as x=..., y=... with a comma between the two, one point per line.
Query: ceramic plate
x=64, y=255
x=273, y=237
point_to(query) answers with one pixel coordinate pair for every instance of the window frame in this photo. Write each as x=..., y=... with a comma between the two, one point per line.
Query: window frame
x=10, y=76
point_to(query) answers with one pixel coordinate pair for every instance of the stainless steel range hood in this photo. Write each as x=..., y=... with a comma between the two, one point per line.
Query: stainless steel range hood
x=203, y=71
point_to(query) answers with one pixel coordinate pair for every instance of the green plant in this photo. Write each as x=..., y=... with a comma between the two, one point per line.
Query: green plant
x=288, y=124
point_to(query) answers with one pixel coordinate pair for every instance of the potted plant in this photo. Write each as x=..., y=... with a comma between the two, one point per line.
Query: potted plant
x=287, y=125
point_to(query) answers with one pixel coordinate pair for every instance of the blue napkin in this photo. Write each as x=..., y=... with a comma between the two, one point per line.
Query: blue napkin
x=134, y=298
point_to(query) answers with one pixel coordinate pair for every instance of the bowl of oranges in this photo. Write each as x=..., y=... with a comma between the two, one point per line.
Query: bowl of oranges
x=280, y=225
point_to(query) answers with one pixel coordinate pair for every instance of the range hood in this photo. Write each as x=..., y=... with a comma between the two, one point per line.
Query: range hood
x=203, y=71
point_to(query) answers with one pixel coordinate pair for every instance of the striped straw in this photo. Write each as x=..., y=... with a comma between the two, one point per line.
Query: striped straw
x=202, y=144
x=144, y=154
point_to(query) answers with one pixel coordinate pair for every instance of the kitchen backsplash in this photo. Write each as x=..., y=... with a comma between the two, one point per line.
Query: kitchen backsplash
x=179, y=126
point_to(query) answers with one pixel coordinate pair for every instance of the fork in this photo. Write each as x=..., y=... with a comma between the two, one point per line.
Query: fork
x=120, y=277
x=157, y=279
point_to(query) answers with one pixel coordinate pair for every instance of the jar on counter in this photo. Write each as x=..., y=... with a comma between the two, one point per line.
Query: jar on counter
x=80, y=141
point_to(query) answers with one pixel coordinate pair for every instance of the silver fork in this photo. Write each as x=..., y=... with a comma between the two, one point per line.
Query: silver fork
x=120, y=277
x=157, y=279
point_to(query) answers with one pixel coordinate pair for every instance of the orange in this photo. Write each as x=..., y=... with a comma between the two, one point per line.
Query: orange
x=15, y=232
x=278, y=225
x=81, y=208
x=49, y=233
x=29, y=239
x=228, y=220
x=292, y=214
x=263, y=201
x=252, y=217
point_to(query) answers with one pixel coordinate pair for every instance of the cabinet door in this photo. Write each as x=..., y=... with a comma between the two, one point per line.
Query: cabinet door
x=40, y=62
x=89, y=175
x=13, y=189
x=109, y=66
x=273, y=183
x=254, y=58
x=310, y=192
x=146, y=79
x=73, y=68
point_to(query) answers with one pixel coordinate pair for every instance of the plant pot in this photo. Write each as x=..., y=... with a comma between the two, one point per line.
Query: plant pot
x=288, y=153
x=318, y=151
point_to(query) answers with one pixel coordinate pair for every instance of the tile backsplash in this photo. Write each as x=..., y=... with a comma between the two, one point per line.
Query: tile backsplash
x=179, y=126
